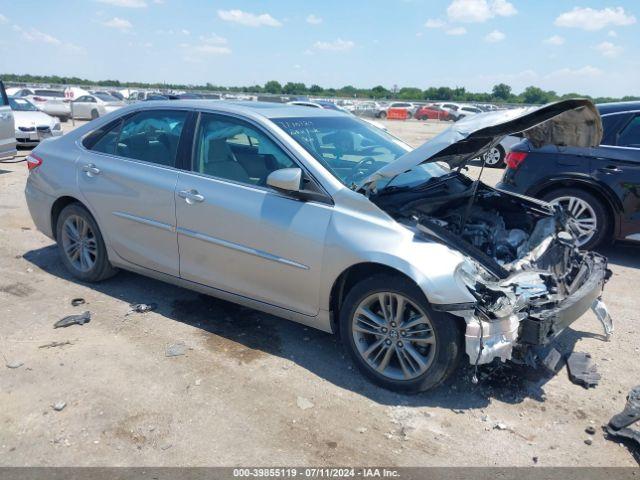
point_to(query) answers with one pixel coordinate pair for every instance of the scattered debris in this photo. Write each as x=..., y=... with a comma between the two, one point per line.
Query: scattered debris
x=141, y=308
x=175, y=349
x=588, y=441
x=500, y=426
x=619, y=424
x=55, y=344
x=59, y=406
x=553, y=361
x=535, y=459
x=582, y=371
x=77, y=301
x=197, y=382
x=81, y=319
x=362, y=430
x=14, y=364
x=303, y=403
x=602, y=313
x=590, y=430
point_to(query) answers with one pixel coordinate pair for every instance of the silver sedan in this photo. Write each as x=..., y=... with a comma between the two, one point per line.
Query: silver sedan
x=316, y=217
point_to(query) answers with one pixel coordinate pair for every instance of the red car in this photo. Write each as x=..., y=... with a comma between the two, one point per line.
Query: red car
x=432, y=112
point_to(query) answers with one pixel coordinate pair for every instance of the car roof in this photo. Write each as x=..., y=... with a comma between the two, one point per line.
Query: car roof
x=617, y=107
x=264, y=109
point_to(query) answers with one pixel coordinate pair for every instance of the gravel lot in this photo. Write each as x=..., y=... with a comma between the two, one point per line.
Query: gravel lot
x=252, y=389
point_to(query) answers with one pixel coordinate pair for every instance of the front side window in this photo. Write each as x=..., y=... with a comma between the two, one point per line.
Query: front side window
x=233, y=150
x=630, y=135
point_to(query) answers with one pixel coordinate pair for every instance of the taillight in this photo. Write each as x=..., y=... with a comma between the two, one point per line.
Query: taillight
x=33, y=161
x=40, y=99
x=514, y=159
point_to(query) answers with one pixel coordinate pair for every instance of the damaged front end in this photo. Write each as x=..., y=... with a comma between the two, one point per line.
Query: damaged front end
x=522, y=264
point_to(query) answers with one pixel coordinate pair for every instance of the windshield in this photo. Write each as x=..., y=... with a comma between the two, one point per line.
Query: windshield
x=351, y=149
x=22, y=105
x=49, y=93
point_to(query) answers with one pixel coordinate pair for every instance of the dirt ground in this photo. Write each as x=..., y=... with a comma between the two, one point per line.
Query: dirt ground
x=252, y=389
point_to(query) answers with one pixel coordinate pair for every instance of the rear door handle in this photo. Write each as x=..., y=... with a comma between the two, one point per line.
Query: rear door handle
x=191, y=196
x=91, y=170
x=610, y=169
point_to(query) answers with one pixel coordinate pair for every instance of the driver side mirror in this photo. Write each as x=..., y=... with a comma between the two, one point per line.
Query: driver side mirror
x=286, y=179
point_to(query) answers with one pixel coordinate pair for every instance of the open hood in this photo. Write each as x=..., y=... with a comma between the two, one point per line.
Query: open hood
x=573, y=123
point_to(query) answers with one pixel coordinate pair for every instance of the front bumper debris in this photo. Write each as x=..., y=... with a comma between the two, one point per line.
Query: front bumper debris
x=535, y=323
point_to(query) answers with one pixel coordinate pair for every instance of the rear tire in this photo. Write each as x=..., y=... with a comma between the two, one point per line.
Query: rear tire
x=94, y=114
x=383, y=115
x=412, y=358
x=574, y=199
x=81, y=246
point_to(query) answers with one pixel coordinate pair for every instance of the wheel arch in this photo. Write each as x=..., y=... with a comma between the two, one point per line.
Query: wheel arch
x=610, y=202
x=350, y=276
x=58, y=206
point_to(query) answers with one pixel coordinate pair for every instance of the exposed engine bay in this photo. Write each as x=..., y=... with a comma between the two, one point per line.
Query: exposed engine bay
x=528, y=277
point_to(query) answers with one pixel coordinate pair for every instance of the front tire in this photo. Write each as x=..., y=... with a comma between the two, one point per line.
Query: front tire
x=588, y=212
x=81, y=246
x=394, y=336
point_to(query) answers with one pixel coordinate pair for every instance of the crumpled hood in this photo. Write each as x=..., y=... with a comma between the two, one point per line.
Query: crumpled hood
x=32, y=119
x=573, y=122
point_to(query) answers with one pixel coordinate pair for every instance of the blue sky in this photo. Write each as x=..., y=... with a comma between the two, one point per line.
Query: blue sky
x=586, y=46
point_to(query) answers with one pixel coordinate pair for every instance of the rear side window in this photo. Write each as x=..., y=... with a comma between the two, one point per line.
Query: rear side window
x=50, y=93
x=630, y=135
x=4, y=100
x=152, y=136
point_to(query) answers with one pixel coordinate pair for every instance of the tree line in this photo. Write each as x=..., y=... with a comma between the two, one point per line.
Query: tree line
x=501, y=93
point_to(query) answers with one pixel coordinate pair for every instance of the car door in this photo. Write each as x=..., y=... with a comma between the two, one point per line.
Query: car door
x=240, y=236
x=7, y=126
x=616, y=164
x=81, y=107
x=127, y=176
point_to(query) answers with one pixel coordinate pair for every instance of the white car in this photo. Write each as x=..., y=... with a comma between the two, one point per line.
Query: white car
x=31, y=125
x=50, y=101
x=95, y=105
x=7, y=139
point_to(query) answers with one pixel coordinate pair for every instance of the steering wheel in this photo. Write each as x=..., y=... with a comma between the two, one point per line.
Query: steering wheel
x=356, y=171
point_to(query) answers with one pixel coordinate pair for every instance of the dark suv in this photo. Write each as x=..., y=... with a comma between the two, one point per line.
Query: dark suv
x=599, y=187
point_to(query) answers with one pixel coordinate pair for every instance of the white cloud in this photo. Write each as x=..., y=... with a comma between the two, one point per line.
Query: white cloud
x=184, y=31
x=456, y=31
x=586, y=71
x=338, y=45
x=213, y=39
x=126, y=3
x=555, y=40
x=608, y=49
x=3, y=19
x=33, y=35
x=612, y=33
x=248, y=19
x=434, y=23
x=477, y=11
x=495, y=37
x=502, y=8
x=118, y=23
x=212, y=49
x=314, y=20
x=591, y=19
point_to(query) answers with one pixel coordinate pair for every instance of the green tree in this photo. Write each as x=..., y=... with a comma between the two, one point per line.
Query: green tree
x=380, y=92
x=316, y=89
x=502, y=91
x=410, y=93
x=273, y=86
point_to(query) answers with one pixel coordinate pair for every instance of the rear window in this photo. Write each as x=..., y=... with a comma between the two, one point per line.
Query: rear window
x=49, y=93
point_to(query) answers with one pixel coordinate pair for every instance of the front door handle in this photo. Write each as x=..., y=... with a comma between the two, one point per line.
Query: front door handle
x=191, y=196
x=610, y=169
x=91, y=170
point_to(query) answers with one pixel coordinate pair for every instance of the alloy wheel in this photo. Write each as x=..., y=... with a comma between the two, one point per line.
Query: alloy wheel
x=583, y=217
x=79, y=243
x=493, y=156
x=393, y=336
